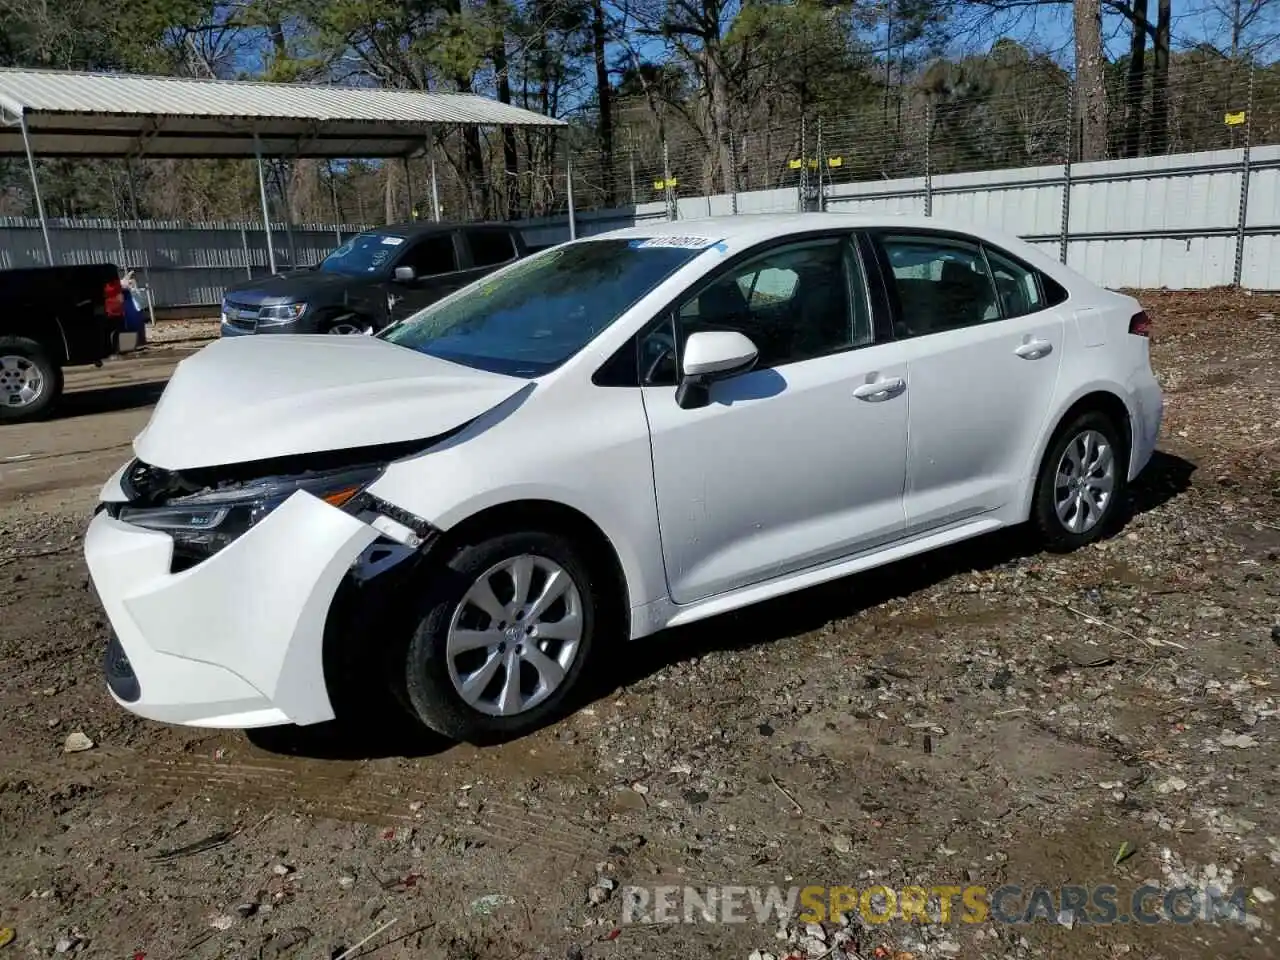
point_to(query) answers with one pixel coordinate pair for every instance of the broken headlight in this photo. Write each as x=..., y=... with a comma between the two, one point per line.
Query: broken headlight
x=204, y=522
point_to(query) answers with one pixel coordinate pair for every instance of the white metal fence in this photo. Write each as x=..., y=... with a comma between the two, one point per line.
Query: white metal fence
x=182, y=264
x=1180, y=221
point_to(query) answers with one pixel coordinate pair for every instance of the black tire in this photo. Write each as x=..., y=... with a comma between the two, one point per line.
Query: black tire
x=424, y=672
x=50, y=374
x=1053, y=532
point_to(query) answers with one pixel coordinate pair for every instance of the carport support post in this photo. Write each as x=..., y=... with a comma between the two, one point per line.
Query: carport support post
x=435, y=192
x=266, y=211
x=568, y=175
x=408, y=189
x=337, y=210
x=143, y=245
x=35, y=186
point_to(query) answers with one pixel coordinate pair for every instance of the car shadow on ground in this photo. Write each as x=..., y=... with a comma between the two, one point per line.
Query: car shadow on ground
x=383, y=731
x=94, y=400
x=1166, y=477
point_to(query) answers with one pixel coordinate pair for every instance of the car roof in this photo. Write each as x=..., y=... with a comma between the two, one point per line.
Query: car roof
x=742, y=231
x=751, y=227
x=422, y=228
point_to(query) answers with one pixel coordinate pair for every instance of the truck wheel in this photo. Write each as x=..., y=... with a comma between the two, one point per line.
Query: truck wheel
x=30, y=382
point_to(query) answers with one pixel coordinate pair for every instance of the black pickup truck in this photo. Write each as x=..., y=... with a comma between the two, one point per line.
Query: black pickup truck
x=50, y=318
x=373, y=279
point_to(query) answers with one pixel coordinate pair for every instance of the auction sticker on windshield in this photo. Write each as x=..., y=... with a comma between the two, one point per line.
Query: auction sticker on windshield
x=392, y=241
x=677, y=243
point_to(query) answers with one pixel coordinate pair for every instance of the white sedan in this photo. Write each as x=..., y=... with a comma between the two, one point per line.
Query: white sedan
x=614, y=436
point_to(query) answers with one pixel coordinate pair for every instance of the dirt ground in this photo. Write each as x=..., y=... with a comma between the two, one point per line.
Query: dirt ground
x=985, y=715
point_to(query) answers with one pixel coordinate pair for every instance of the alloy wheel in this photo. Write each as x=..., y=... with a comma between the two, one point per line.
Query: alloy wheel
x=1085, y=482
x=514, y=635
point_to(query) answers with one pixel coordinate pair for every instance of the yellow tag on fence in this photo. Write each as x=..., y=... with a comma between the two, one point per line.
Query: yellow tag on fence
x=1234, y=119
x=795, y=164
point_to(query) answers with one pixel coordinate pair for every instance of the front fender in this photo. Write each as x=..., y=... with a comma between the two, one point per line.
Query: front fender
x=628, y=532
x=592, y=457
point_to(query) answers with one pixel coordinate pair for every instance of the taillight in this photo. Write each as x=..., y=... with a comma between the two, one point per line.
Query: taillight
x=1140, y=324
x=114, y=294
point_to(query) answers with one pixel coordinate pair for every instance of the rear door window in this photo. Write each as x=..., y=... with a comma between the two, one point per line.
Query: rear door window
x=490, y=247
x=1018, y=286
x=942, y=284
x=431, y=256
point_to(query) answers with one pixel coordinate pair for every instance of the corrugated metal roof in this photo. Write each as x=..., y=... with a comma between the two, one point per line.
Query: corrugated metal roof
x=51, y=91
x=94, y=114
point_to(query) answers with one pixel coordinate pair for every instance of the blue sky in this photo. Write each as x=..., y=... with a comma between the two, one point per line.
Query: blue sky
x=1043, y=27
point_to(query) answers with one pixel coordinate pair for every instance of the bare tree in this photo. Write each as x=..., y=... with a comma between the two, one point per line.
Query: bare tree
x=1159, y=142
x=1243, y=29
x=696, y=30
x=1135, y=81
x=1091, y=91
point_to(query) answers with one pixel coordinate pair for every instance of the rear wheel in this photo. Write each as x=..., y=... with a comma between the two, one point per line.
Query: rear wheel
x=30, y=381
x=1081, y=482
x=503, y=637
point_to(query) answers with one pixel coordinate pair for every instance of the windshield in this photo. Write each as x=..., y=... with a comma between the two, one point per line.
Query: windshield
x=535, y=316
x=364, y=253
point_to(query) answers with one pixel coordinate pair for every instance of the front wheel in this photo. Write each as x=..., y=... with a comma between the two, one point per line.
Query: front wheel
x=1081, y=482
x=30, y=382
x=502, y=638
x=348, y=326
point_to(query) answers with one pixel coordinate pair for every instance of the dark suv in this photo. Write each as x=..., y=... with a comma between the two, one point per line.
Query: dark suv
x=373, y=279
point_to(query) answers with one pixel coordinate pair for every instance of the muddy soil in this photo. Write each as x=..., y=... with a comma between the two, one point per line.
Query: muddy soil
x=985, y=715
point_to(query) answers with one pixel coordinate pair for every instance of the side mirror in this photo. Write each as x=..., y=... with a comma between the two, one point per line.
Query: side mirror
x=404, y=274
x=709, y=356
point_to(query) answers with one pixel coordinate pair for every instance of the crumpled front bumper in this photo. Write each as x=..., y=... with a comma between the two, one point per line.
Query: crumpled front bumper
x=237, y=640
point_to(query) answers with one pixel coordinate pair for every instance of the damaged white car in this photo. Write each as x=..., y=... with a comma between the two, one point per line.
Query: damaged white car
x=611, y=437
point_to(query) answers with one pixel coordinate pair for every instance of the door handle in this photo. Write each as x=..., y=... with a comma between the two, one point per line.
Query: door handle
x=1034, y=349
x=882, y=389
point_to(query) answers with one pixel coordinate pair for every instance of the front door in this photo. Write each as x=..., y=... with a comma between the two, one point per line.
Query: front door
x=799, y=461
x=437, y=272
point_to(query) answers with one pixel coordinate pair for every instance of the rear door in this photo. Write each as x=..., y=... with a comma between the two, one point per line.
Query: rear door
x=984, y=346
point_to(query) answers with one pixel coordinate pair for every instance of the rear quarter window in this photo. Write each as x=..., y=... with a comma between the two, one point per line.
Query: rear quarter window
x=1054, y=292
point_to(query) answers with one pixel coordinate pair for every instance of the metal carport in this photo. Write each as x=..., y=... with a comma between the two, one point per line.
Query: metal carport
x=52, y=113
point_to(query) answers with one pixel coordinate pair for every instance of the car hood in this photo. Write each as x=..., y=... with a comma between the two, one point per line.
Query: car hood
x=293, y=287
x=252, y=398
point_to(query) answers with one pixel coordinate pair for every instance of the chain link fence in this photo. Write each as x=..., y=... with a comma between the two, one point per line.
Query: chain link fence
x=1016, y=120
x=1012, y=150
